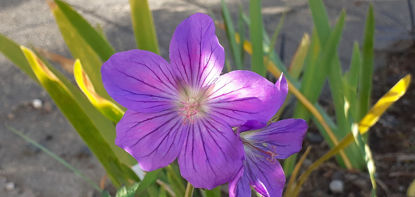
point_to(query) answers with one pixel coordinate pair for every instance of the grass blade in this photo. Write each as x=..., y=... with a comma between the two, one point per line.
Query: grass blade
x=365, y=150
x=12, y=51
x=256, y=35
x=394, y=94
x=56, y=157
x=79, y=46
x=300, y=55
x=230, y=32
x=212, y=193
x=149, y=179
x=366, y=71
x=143, y=25
x=85, y=30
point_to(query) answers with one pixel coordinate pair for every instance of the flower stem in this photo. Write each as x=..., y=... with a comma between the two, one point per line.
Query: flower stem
x=189, y=190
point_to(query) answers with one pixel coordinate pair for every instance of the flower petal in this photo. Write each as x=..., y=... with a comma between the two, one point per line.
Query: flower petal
x=282, y=90
x=284, y=137
x=239, y=96
x=239, y=187
x=212, y=154
x=153, y=139
x=195, y=51
x=139, y=80
x=266, y=178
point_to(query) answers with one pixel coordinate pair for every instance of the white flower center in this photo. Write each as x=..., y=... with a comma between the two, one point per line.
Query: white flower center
x=192, y=104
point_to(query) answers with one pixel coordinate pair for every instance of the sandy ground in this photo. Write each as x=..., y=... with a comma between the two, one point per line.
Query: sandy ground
x=26, y=171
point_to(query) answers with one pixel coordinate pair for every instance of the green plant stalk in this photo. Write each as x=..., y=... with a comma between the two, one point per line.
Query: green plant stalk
x=79, y=47
x=256, y=34
x=366, y=71
x=87, y=31
x=230, y=32
x=189, y=190
x=143, y=25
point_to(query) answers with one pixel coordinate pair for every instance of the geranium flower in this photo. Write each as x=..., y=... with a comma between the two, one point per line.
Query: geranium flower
x=184, y=109
x=263, y=148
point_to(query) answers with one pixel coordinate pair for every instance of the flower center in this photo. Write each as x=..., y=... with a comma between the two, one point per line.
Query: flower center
x=191, y=104
x=271, y=156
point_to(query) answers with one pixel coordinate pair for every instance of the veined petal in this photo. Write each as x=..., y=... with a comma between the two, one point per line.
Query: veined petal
x=266, y=178
x=153, y=139
x=284, y=137
x=239, y=187
x=212, y=154
x=195, y=52
x=139, y=80
x=239, y=96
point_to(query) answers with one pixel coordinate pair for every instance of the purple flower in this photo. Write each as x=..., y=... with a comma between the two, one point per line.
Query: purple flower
x=263, y=147
x=184, y=109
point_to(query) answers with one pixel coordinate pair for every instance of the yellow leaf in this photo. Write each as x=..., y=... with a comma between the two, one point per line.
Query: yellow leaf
x=106, y=107
x=383, y=103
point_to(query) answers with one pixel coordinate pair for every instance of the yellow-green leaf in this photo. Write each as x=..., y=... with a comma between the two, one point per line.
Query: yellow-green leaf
x=64, y=99
x=106, y=107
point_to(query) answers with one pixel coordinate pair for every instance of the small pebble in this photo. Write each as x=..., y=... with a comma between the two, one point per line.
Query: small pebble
x=10, y=186
x=37, y=103
x=10, y=116
x=47, y=107
x=336, y=186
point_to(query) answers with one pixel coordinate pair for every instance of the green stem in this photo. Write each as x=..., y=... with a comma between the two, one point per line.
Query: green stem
x=189, y=190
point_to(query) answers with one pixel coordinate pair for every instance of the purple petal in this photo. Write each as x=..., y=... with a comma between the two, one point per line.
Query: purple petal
x=266, y=178
x=212, y=154
x=153, y=139
x=284, y=137
x=239, y=187
x=240, y=95
x=195, y=52
x=282, y=90
x=139, y=80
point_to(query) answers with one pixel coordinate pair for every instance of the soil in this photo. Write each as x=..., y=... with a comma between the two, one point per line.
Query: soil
x=392, y=141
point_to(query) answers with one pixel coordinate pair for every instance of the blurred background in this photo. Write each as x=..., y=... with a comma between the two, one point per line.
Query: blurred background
x=26, y=172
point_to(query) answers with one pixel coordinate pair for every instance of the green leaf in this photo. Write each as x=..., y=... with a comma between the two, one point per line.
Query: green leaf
x=365, y=151
x=85, y=30
x=79, y=46
x=144, y=30
x=256, y=35
x=275, y=36
x=351, y=81
x=175, y=180
x=73, y=111
x=230, y=32
x=12, y=51
x=366, y=71
x=148, y=180
x=56, y=157
x=212, y=193
x=297, y=63
x=127, y=191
